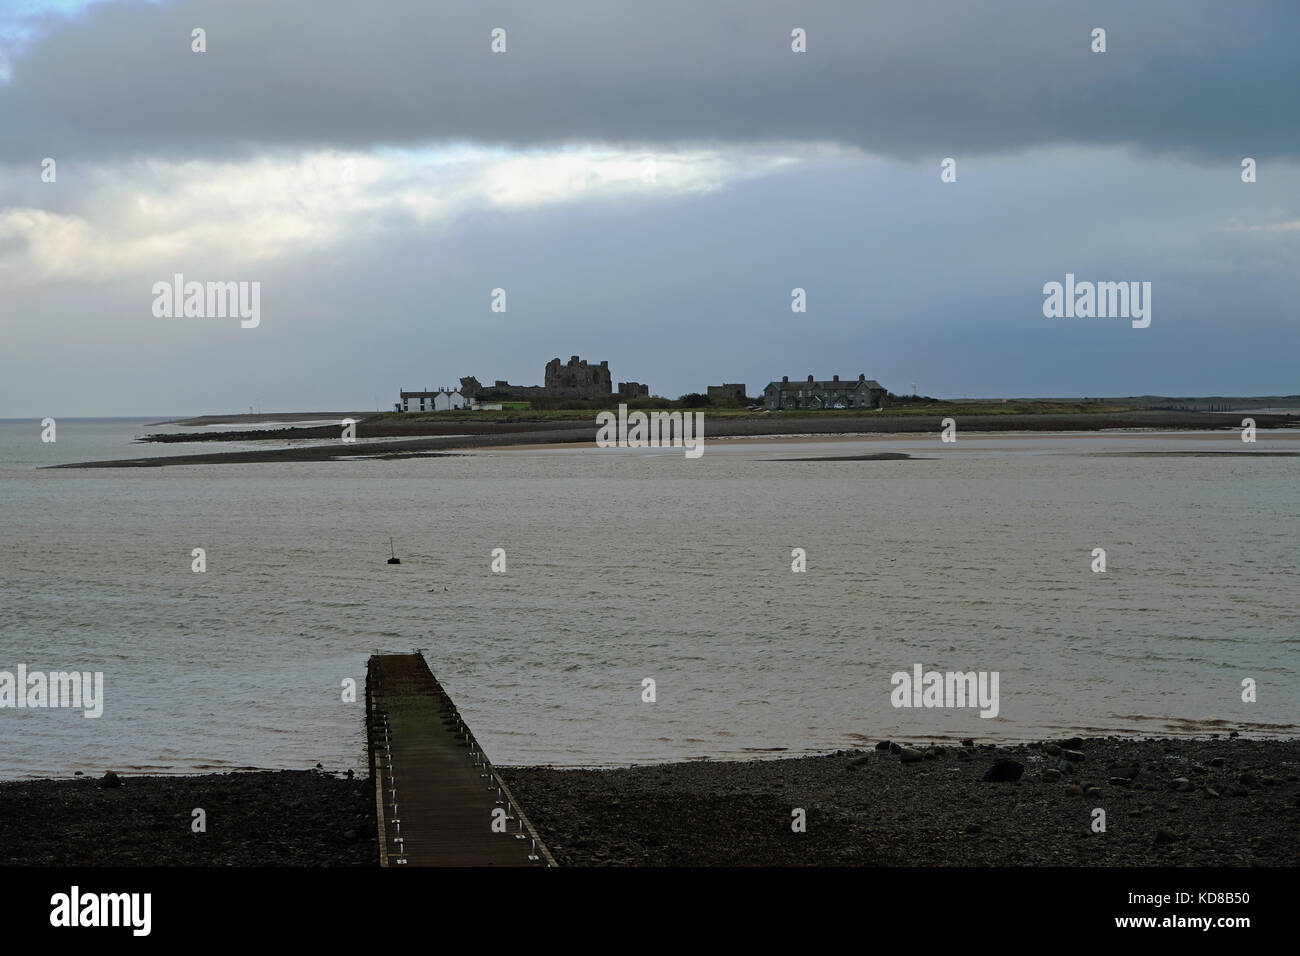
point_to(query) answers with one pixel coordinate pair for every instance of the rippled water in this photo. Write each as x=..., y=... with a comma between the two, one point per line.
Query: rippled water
x=624, y=565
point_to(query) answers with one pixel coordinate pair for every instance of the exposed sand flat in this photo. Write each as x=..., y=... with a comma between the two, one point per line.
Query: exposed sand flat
x=420, y=438
x=855, y=437
x=201, y=421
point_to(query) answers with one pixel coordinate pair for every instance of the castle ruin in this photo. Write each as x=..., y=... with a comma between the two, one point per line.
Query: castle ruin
x=588, y=381
x=576, y=380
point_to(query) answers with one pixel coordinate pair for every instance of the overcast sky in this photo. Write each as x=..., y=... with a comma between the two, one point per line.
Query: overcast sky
x=648, y=183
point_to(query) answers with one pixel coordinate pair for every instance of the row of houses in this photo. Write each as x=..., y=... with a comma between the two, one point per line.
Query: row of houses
x=810, y=394
x=813, y=394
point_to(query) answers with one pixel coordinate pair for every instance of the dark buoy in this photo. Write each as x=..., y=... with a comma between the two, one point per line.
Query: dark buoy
x=394, y=559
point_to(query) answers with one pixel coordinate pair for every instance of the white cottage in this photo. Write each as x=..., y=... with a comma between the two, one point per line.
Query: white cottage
x=438, y=401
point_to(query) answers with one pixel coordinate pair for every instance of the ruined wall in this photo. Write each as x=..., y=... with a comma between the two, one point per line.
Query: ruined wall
x=730, y=392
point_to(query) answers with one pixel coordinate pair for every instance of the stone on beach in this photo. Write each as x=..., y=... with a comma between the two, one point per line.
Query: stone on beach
x=1005, y=770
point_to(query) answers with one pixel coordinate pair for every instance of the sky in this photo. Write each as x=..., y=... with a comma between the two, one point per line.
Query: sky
x=647, y=183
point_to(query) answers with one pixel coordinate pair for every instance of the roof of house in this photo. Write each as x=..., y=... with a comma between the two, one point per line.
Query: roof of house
x=441, y=391
x=850, y=383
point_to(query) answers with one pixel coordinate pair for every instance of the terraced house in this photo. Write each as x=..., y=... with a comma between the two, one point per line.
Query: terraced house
x=426, y=401
x=812, y=394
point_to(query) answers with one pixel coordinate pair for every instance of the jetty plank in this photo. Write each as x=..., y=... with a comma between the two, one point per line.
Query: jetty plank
x=435, y=790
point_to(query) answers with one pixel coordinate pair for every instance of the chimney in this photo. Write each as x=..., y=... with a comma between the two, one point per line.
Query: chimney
x=574, y=360
x=605, y=363
x=810, y=378
x=862, y=376
x=785, y=378
x=837, y=378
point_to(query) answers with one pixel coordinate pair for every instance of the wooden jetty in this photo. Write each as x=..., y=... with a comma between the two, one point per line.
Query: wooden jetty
x=438, y=799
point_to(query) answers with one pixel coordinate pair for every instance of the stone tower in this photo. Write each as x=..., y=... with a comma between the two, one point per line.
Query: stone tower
x=587, y=381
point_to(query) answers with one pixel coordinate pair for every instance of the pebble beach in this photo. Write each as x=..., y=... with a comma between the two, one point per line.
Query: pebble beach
x=1225, y=801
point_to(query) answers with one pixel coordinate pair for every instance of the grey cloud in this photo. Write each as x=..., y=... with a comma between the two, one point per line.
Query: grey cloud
x=1208, y=80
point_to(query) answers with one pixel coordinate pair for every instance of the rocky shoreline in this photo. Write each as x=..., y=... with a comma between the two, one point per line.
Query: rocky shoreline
x=1223, y=801
x=260, y=818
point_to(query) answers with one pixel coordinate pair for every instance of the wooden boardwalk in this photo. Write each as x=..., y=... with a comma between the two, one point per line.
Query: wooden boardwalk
x=437, y=797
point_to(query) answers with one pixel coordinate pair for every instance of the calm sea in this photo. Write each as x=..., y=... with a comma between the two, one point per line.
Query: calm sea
x=626, y=565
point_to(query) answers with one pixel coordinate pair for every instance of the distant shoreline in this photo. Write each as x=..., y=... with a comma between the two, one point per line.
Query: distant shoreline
x=432, y=438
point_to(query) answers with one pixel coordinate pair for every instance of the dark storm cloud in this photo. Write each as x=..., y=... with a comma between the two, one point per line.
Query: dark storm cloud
x=1209, y=80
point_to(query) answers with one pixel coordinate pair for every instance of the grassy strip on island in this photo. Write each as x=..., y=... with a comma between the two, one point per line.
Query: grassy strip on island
x=566, y=411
